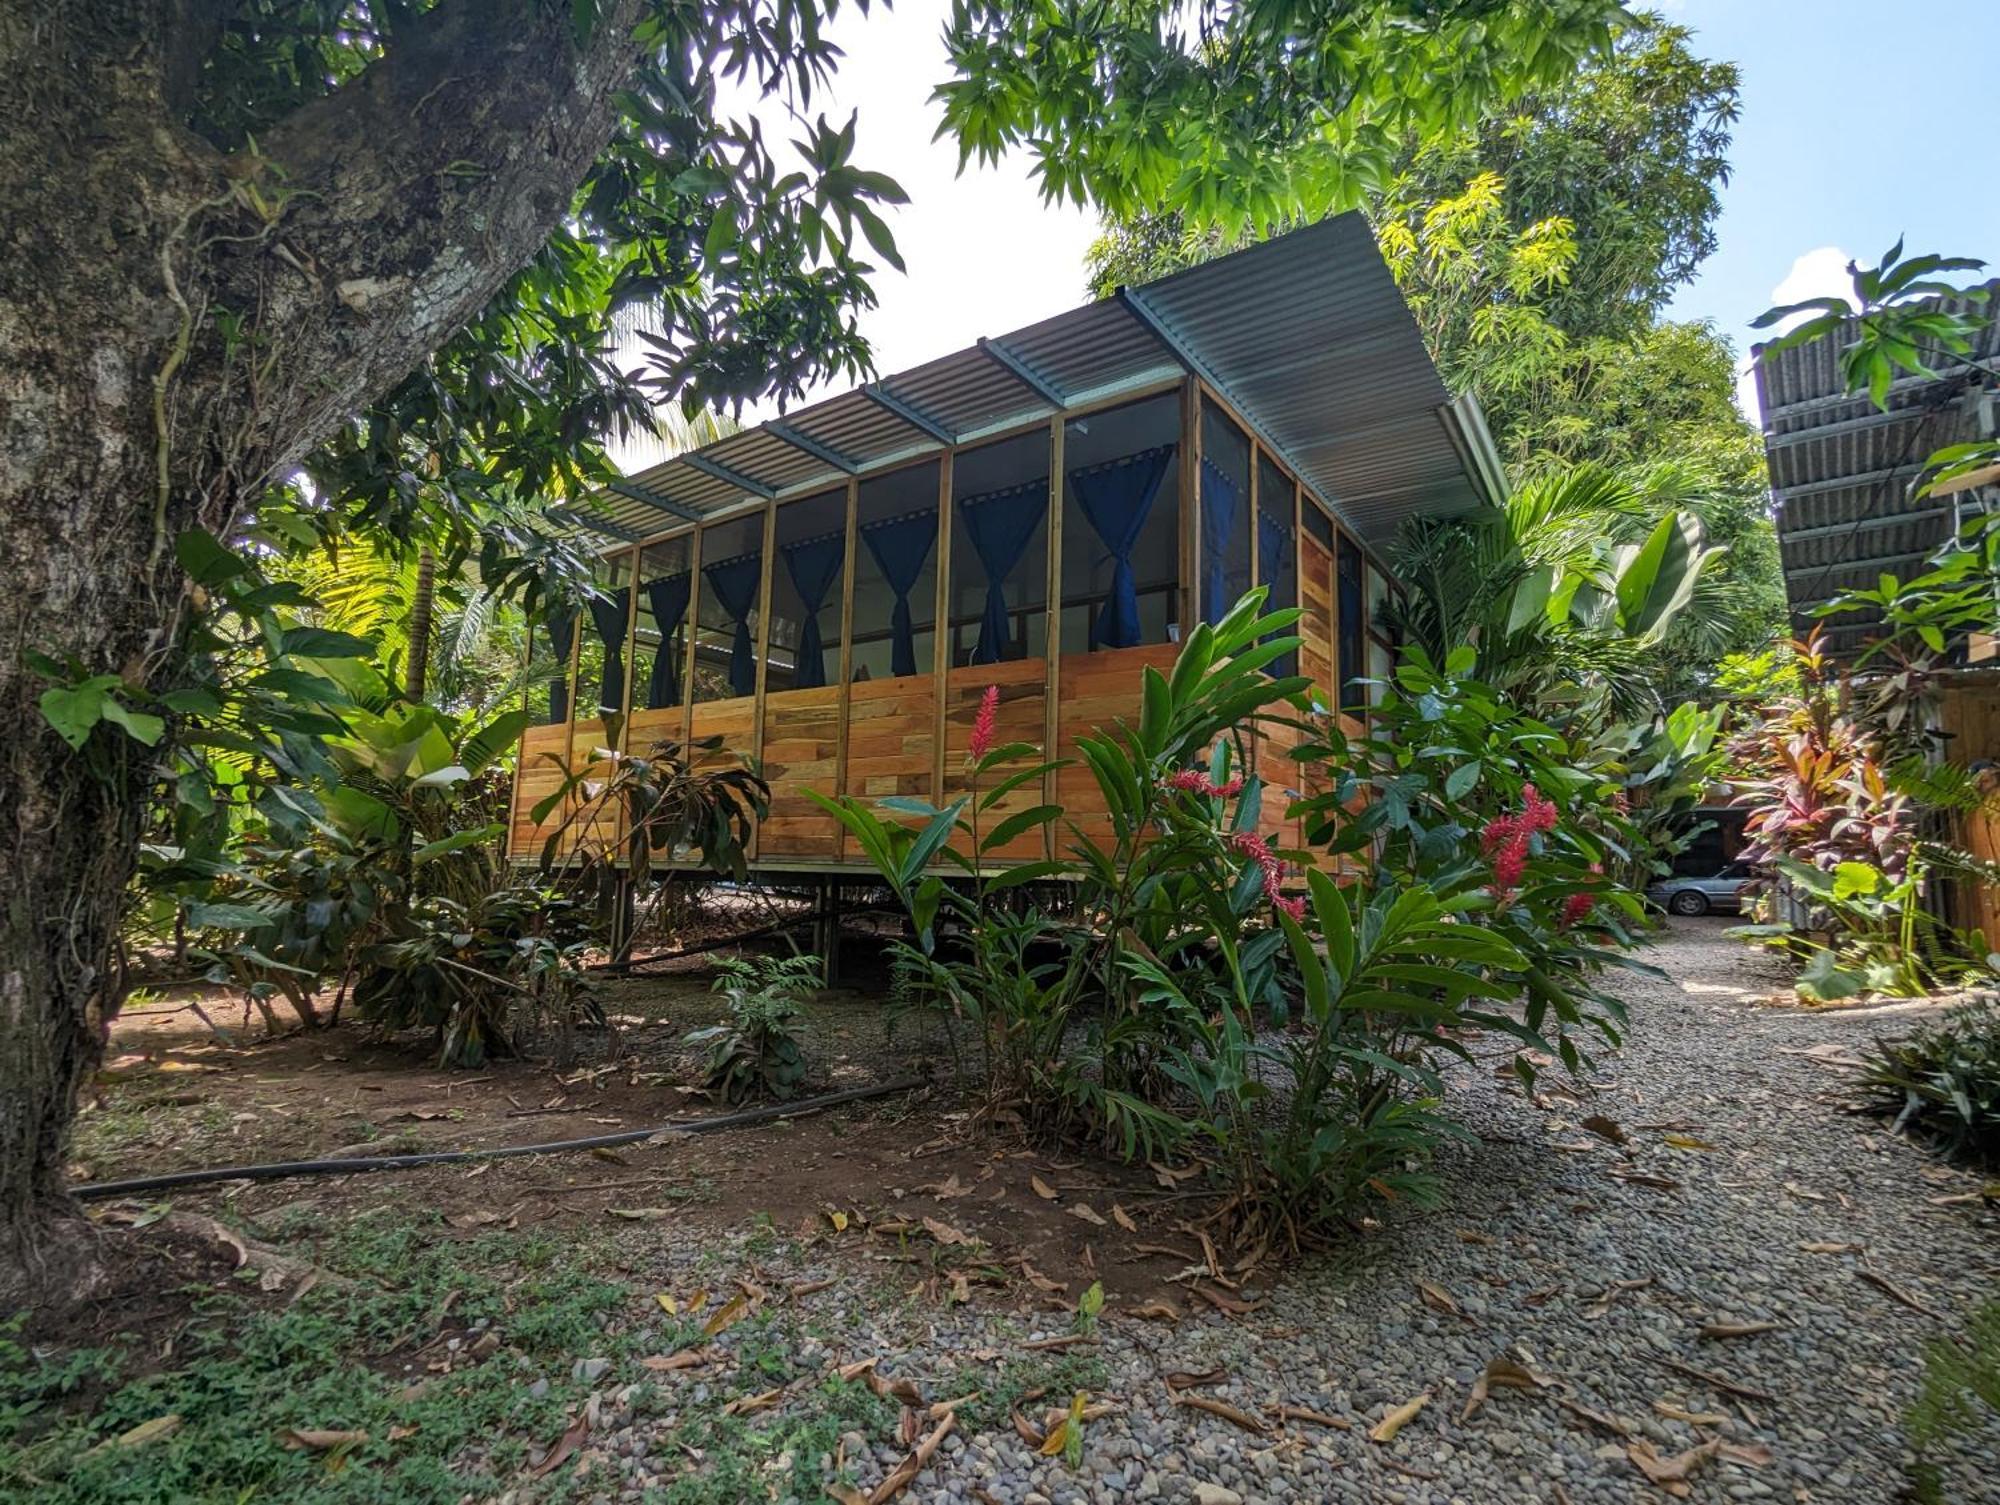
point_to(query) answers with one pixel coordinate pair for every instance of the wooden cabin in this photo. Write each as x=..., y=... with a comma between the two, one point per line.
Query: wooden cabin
x=832, y=592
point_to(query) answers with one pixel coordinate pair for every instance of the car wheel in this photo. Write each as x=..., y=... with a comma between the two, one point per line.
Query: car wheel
x=1689, y=901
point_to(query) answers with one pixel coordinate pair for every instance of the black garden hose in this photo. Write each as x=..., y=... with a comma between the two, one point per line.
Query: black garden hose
x=278, y=1171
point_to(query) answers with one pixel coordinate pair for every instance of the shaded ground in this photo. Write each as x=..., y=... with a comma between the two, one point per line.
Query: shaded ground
x=1744, y=1195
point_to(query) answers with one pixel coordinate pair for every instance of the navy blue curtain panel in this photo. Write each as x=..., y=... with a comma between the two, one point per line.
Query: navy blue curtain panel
x=667, y=597
x=1117, y=498
x=735, y=583
x=814, y=564
x=561, y=627
x=611, y=615
x=1001, y=525
x=900, y=546
x=1219, y=498
x=1274, y=545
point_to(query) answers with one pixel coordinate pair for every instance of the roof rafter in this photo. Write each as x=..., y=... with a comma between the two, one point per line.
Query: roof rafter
x=914, y=416
x=729, y=474
x=1022, y=372
x=653, y=498
x=806, y=444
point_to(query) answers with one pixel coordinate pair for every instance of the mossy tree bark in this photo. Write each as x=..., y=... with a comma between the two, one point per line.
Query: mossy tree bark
x=179, y=326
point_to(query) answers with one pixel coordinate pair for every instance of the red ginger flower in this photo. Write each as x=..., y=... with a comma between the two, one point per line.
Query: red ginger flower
x=982, y=724
x=1294, y=906
x=1196, y=781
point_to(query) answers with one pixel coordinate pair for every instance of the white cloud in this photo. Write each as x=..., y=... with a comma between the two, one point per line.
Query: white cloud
x=1819, y=273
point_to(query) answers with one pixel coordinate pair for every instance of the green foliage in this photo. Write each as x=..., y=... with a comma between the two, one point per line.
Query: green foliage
x=1961, y=1386
x=246, y=1371
x=756, y=1054
x=1186, y=1002
x=1565, y=592
x=1942, y=1082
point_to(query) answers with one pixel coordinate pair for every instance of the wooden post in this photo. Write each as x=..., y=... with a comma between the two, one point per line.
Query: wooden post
x=1052, y=634
x=941, y=632
x=763, y=656
x=1190, y=487
x=623, y=742
x=846, y=700
x=693, y=632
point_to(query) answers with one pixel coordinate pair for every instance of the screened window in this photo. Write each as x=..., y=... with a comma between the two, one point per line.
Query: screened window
x=805, y=592
x=1121, y=527
x=659, y=643
x=1000, y=551
x=1348, y=571
x=600, y=670
x=1318, y=524
x=1277, y=547
x=727, y=609
x=895, y=573
x=1225, y=514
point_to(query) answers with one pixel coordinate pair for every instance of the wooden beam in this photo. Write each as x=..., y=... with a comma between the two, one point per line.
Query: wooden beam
x=1022, y=372
x=915, y=417
x=1052, y=634
x=807, y=445
x=763, y=657
x=693, y=632
x=603, y=526
x=846, y=700
x=726, y=473
x=654, y=499
x=1190, y=514
x=941, y=637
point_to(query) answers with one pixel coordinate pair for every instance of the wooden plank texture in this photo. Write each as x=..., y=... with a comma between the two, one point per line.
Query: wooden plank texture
x=1020, y=719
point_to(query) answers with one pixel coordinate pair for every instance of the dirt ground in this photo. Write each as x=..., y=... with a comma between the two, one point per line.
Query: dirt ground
x=173, y=1097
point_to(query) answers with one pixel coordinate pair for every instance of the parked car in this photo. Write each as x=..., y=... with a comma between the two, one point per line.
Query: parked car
x=1694, y=894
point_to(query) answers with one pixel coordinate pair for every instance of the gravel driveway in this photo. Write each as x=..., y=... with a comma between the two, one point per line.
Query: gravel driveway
x=1776, y=1207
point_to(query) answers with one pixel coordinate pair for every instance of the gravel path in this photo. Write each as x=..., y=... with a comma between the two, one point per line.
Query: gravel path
x=1778, y=1204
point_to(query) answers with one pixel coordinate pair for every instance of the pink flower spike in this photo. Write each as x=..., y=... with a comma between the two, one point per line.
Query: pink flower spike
x=982, y=724
x=1294, y=906
x=1188, y=781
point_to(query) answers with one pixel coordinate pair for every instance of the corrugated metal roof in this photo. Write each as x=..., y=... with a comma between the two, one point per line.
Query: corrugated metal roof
x=1842, y=470
x=1305, y=334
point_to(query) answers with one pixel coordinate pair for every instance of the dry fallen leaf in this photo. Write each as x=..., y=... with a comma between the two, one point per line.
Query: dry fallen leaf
x=1222, y=1409
x=642, y=1214
x=1672, y=1473
x=899, y=1478
x=838, y=1219
x=1157, y=1311
x=156, y=1430
x=1386, y=1429
x=1738, y=1329
x=1123, y=1219
x=1042, y=1188
x=1438, y=1299
x=948, y=1189
x=1188, y=1379
x=1688, y=1142
x=744, y=1405
x=667, y=1303
x=318, y=1440
x=571, y=1439
x=1831, y=1248
x=1605, y=1128
x=944, y=1233
x=726, y=1314
x=687, y=1358
x=1086, y=1212
x=1505, y=1372
x=1222, y=1301
x=1611, y=1424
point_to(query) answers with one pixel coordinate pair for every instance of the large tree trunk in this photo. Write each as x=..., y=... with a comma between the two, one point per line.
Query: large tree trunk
x=365, y=229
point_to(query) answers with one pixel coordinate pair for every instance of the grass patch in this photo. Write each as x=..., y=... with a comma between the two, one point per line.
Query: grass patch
x=241, y=1374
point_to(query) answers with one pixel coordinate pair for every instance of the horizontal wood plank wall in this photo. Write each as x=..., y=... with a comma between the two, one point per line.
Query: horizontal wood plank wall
x=1099, y=689
x=735, y=722
x=891, y=739
x=1970, y=713
x=1021, y=718
x=801, y=752
x=535, y=779
x=587, y=746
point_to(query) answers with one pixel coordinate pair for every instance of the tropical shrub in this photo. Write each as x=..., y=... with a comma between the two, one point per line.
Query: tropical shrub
x=756, y=1054
x=1961, y=1388
x=483, y=976
x=1942, y=1082
x=1195, y=997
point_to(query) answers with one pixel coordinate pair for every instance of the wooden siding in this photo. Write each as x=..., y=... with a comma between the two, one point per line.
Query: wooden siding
x=801, y=752
x=1969, y=714
x=535, y=780
x=1099, y=689
x=891, y=738
x=1021, y=718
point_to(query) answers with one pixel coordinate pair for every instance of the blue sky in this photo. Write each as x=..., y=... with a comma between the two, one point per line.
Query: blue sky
x=1821, y=172
x=1862, y=121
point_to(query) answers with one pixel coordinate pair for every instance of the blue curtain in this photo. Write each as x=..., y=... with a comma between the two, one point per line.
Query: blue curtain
x=1274, y=543
x=735, y=583
x=900, y=546
x=1219, y=497
x=611, y=615
x=667, y=597
x=1117, y=499
x=814, y=564
x=1001, y=524
x=561, y=627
